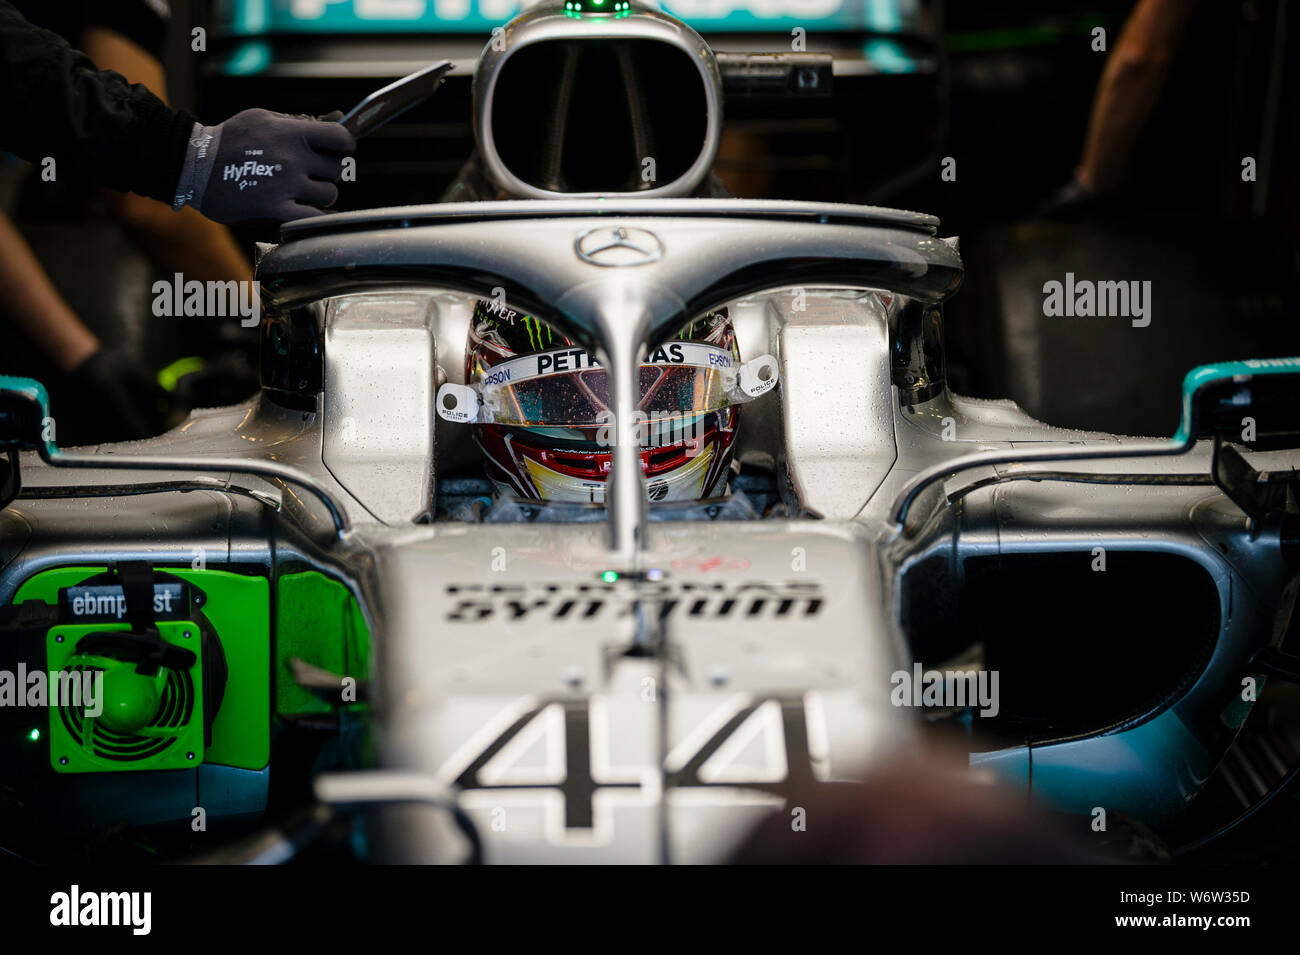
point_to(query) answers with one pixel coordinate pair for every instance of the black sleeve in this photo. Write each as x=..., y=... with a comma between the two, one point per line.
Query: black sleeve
x=92, y=122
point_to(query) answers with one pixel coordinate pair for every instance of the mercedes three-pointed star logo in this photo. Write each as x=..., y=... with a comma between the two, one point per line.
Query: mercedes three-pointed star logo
x=612, y=246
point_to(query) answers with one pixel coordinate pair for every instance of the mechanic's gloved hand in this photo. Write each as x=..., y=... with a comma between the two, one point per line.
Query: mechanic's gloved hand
x=1074, y=200
x=263, y=165
x=123, y=401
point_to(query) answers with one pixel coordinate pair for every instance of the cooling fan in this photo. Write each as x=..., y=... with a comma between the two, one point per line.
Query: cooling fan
x=151, y=688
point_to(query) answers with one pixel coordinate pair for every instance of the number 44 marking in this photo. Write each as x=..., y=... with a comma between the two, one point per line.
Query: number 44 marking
x=774, y=732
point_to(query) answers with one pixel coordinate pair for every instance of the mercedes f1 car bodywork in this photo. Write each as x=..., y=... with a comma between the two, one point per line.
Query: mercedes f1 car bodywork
x=314, y=597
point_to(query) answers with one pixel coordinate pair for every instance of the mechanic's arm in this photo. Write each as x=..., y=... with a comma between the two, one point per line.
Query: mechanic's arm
x=126, y=396
x=1130, y=85
x=34, y=305
x=256, y=165
x=175, y=242
x=94, y=122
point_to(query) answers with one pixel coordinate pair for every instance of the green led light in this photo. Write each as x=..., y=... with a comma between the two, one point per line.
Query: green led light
x=34, y=735
x=609, y=576
x=169, y=377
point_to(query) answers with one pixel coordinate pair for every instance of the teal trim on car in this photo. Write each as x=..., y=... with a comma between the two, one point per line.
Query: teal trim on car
x=253, y=18
x=34, y=389
x=1244, y=370
x=1149, y=772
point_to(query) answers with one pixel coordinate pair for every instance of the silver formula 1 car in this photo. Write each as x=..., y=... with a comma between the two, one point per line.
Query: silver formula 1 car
x=596, y=516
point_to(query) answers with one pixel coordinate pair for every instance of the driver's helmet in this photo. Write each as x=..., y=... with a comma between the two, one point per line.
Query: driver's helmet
x=552, y=428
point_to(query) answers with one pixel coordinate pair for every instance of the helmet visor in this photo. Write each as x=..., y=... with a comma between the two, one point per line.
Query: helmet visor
x=567, y=388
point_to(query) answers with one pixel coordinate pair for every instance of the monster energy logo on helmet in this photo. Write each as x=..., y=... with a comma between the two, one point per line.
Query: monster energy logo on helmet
x=534, y=328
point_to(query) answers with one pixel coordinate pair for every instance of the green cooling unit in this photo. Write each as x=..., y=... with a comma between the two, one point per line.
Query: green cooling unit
x=191, y=686
x=145, y=697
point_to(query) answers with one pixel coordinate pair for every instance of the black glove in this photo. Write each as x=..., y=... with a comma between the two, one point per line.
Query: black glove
x=263, y=165
x=122, y=400
x=1074, y=200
